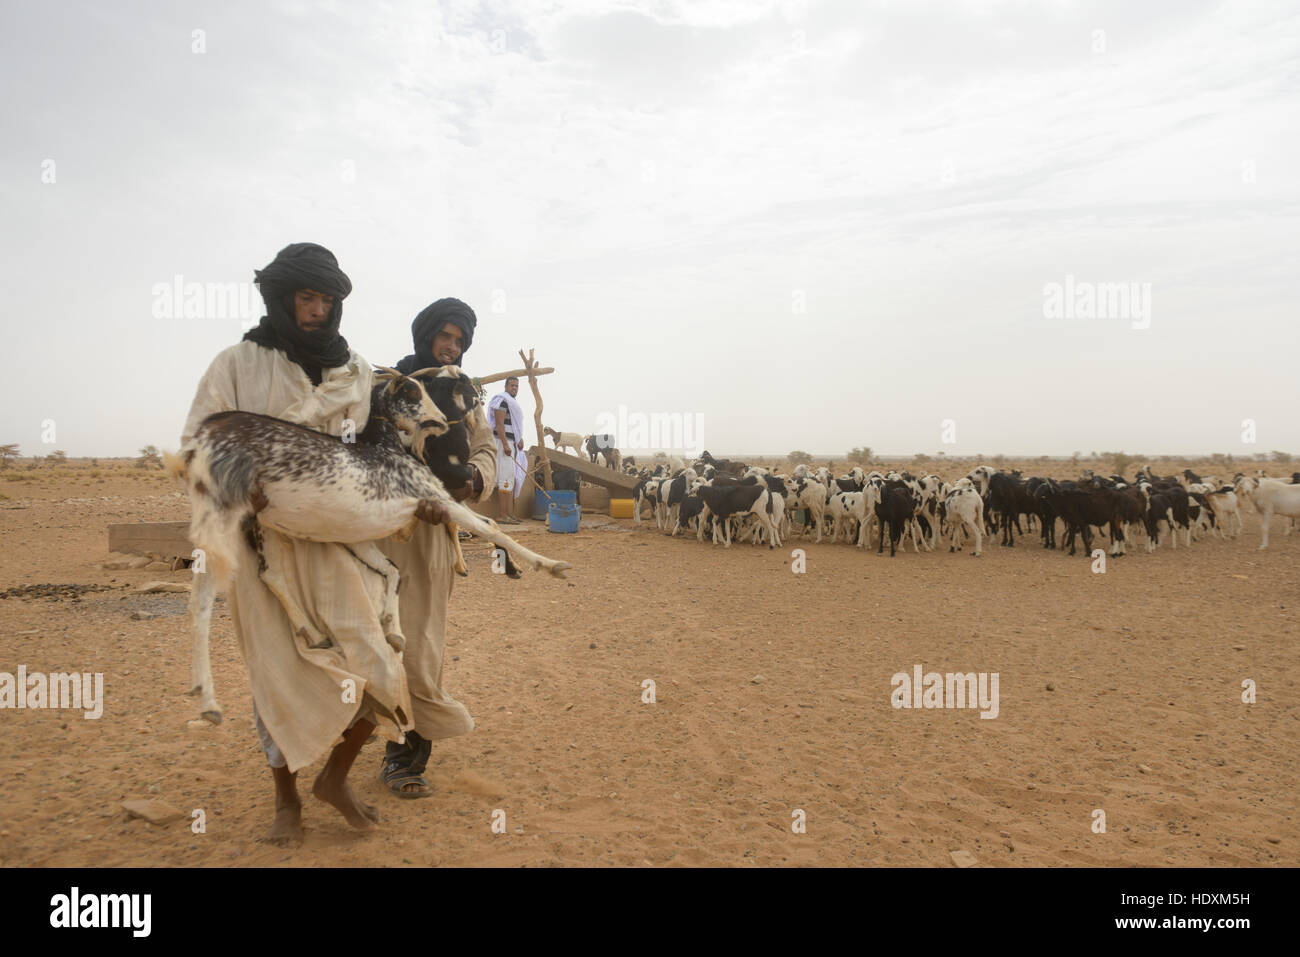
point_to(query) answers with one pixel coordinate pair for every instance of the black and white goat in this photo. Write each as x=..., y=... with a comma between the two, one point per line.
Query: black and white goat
x=447, y=455
x=243, y=470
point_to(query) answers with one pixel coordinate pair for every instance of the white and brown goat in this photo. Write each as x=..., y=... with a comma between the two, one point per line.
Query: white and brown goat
x=243, y=470
x=564, y=440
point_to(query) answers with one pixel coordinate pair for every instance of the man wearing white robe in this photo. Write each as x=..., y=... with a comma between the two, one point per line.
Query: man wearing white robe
x=507, y=420
x=322, y=676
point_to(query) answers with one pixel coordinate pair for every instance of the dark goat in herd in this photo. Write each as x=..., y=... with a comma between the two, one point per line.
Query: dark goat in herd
x=905, y=505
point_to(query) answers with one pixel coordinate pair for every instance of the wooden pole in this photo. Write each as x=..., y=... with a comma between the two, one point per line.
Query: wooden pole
x=514, y=374
x=530, y=369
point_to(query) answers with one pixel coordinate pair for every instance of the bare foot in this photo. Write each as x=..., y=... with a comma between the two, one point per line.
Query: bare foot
x=287, y=827
x=362, y=816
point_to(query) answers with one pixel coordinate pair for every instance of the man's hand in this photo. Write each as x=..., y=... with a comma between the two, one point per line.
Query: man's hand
x=469, y=489
x=430, y=511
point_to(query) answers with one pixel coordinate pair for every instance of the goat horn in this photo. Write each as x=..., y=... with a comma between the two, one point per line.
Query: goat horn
x=391, y=376
x=441, y=370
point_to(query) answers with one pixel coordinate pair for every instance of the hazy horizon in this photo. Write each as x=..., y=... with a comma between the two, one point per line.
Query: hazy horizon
x=932, y=226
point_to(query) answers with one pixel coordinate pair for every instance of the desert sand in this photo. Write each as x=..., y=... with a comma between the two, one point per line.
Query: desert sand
x=1119, y=691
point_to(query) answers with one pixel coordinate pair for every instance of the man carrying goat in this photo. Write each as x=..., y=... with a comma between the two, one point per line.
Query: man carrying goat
x=309, y=625
x=440, y=334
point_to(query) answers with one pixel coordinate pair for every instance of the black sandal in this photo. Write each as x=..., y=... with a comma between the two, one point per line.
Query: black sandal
x=395, y=775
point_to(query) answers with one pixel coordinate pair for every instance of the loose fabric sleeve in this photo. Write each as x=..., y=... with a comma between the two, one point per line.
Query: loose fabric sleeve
x=216, y=393
x=483, y=453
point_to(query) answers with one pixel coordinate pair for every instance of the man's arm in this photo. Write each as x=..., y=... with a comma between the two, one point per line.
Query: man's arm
x=500, y=426
x=483, y=453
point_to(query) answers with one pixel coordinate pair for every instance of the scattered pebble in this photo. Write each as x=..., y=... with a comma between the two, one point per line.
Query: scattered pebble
x=155, y=812
x=962, y=858
x=142, y=616
x=757, y=680
x=1050, y=686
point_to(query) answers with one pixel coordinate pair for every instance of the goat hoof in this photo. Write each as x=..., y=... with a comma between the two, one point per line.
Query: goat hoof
x=559, y=568
x=516, y=573
x=398, y=641
x=214, y=717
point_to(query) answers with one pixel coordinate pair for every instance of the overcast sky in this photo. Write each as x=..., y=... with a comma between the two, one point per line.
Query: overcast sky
x=813, y=225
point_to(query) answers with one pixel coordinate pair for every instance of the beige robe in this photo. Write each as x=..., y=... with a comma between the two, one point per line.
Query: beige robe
x=317, y=624
x=425, y=563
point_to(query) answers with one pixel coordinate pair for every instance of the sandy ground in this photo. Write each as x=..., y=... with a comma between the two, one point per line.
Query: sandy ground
x=772, y=695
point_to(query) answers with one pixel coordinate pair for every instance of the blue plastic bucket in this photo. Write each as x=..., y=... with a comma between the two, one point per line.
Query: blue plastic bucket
x=543, y=498
x=563, y=518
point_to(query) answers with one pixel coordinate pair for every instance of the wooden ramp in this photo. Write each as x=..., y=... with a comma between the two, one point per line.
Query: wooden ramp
x=619, y=484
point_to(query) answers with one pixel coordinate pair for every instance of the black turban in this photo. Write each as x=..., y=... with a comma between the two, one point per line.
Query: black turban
x=302, y=266
x=429, y=322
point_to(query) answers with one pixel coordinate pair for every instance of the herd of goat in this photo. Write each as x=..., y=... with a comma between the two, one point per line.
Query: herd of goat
x=733, y=501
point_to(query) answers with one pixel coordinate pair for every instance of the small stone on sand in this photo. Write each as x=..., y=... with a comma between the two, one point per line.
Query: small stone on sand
x=155, y=812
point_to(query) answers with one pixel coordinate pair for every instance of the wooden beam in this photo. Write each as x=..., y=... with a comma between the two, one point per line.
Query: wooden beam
x=616, y=482
x=513, y=374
